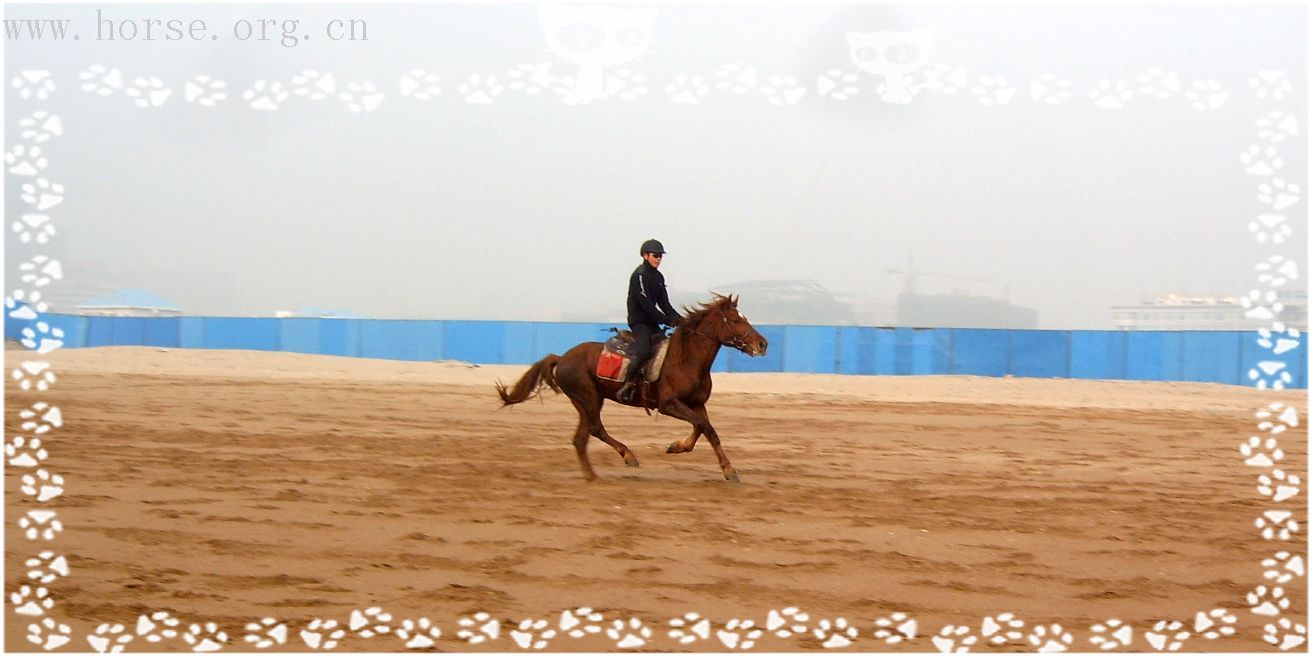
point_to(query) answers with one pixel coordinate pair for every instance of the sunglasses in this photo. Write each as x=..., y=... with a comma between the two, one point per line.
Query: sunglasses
x=657, y=255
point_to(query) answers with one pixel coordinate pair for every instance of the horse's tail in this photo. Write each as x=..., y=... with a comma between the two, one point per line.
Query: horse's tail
x=542, y=373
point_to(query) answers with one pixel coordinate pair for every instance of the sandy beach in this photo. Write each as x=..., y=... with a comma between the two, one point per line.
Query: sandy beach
x=230, y=486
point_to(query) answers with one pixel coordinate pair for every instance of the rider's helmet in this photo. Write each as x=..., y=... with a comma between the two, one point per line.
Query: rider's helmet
x=652, y=246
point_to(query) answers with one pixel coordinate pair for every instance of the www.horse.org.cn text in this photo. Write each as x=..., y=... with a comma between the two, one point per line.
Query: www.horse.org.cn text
x=286, y=32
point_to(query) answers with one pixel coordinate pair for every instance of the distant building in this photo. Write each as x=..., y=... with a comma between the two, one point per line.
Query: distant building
x=791, y=302
x=958, y=310
x=129, y=303
x=316, y=313
x=868, y=309
x=1184, y=312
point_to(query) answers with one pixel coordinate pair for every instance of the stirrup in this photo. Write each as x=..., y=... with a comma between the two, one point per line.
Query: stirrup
x=625, y=394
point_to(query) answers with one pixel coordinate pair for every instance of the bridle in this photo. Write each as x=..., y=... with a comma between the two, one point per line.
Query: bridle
x=736, y=342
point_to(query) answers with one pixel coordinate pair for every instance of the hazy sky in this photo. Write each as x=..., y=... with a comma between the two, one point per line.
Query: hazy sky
x=529, y=207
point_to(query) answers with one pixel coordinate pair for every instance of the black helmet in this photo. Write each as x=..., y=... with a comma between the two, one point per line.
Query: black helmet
x=651, y=246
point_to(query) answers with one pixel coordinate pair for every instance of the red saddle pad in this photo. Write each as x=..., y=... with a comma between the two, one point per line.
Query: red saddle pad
x=609, y=365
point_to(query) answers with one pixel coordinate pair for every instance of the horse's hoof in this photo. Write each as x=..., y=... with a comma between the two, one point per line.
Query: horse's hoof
x=673, y=448
x=631, y=461
x=731, y=476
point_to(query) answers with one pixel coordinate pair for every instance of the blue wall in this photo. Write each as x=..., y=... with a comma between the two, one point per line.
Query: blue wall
x=1203, y=356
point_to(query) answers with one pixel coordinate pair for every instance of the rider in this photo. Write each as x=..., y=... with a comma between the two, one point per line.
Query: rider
x=649, y=307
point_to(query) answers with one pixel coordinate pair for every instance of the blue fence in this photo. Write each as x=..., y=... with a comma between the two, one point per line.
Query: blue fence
x=1203, y=356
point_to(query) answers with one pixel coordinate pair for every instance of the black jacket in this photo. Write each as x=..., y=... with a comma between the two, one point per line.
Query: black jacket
x=649, y=303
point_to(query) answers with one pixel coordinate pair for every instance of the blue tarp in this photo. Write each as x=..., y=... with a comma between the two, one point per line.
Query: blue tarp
x=241, y=333
x=402, y=340
x=74, y=327
x=1210, y=357
x=1203, y=356
x=811, y=349
x=475, y=341
x=1099, y=354
x=1040, y=353
x=979, y=352
x=1144, y=355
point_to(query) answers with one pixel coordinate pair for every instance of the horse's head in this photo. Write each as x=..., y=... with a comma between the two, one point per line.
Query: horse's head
x=721, y=321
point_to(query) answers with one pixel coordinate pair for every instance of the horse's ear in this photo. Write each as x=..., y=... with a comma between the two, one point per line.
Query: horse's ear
x=734, y=300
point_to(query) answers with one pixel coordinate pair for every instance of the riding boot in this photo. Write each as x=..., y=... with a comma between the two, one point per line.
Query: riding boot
x=625, y=395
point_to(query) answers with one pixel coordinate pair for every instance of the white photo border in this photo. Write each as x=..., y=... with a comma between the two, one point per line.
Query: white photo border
x=32, y=601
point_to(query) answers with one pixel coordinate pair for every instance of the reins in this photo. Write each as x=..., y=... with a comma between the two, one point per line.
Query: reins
x=737, y=342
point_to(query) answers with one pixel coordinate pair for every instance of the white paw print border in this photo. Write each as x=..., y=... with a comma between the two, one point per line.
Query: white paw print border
x=33, y=599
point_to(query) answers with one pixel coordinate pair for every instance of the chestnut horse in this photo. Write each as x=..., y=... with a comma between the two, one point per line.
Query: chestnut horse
x=680, y=392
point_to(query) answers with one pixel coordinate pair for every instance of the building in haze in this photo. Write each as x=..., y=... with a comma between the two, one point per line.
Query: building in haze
x=316, y=313
x=961, y=310
x=958, y=309
x=795, y=302
x=129, y=303
x=1208, y=312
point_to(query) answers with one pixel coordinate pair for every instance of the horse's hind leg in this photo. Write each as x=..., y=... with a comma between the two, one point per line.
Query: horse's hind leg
x=588, y=403
x=581, y=435
x=600, y=432
x=576, y=381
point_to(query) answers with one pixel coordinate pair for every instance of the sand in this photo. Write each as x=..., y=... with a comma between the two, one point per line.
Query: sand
x=228, y=486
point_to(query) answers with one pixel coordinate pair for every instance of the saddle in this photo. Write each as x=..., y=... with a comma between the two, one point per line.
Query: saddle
x=616, y=356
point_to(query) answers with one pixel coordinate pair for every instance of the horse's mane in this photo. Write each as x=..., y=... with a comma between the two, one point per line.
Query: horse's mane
x=694, y=316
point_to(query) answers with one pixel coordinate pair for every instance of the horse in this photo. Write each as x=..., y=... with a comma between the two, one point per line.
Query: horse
x=681, y=390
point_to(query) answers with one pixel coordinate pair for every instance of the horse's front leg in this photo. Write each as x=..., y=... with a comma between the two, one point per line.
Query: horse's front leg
x=701, y=424
x=686, y=444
